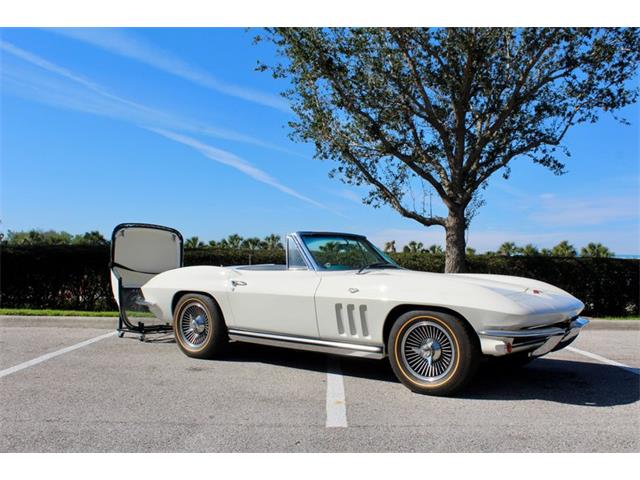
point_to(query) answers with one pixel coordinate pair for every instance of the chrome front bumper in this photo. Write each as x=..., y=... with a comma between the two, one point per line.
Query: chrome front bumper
x=539, y=341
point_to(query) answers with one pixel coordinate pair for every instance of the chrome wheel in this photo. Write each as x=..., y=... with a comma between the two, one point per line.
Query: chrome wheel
x=194, y=324
x=427, y=351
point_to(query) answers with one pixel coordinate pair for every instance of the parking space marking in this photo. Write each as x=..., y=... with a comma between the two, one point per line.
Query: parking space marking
x=48, y=356
x=336, y=403
x=605, y=360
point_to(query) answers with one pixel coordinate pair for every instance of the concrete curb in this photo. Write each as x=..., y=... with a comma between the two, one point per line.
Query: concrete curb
x=599, y=324
x=112, y=322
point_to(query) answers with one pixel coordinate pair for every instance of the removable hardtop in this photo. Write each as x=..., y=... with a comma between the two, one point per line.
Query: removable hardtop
x=140, y=251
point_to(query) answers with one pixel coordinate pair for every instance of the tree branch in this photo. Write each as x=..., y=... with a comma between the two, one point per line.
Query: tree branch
x=389, y=196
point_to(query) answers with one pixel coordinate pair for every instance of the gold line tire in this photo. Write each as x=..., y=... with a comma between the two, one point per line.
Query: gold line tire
x=199, y=327
x=433, y=353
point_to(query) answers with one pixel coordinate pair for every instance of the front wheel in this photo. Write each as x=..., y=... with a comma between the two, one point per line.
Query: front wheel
x=432, y=353
x=198, y=326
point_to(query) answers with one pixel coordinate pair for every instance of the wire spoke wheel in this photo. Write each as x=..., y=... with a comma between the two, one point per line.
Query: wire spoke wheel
x=194, y=324
x=427, y=351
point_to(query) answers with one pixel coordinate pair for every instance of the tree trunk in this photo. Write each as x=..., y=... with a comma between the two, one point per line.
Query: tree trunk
x=455, y=261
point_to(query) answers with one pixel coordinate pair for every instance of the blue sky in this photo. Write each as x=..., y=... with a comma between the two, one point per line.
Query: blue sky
x=174, y=126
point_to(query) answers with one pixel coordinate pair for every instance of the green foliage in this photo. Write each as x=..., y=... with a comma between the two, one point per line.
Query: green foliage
x=272, y=242
x=563, y=249
x=390, y=247
x=434, y=250
x=193, y=242
x=528, y=250
x=53, y=237
x=253, y=243
x=236, y=242
x=39, y=237
x=232, y=241
x=77, y=277
x=596, y=250
x=413, y=247
x=507, y=249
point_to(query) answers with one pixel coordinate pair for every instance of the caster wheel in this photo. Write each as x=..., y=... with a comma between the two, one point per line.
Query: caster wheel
x=120, y=334
x=142, y=338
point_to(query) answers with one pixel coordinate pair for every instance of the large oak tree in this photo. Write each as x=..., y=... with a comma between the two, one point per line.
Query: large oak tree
x=448, y=107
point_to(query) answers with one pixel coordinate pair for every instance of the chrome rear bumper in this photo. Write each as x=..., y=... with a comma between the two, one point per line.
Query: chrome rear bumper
x=542, y=340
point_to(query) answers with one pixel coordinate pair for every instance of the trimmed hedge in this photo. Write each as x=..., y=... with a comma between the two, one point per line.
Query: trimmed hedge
x=77, y=277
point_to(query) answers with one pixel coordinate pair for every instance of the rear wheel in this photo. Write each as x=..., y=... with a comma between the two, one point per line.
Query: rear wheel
x=432, y=352
x=198, y=326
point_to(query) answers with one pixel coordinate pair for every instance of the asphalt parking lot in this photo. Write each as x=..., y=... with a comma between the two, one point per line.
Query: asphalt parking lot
x=123, y=395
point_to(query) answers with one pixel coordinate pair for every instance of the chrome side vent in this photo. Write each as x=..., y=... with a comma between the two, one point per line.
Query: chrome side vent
x=363, y=320
x=339, y=319
x=356, y=324
x=352, y=323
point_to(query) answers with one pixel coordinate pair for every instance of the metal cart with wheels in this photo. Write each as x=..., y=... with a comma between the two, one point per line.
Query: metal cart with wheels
x=140, y=251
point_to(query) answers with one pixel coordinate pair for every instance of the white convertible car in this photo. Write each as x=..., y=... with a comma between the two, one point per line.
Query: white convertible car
x=337, y=293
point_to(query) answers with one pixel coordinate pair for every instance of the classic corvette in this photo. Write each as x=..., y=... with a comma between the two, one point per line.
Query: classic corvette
x=338, y=293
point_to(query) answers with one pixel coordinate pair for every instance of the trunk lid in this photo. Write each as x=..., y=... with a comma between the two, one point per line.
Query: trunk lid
x=140, y=251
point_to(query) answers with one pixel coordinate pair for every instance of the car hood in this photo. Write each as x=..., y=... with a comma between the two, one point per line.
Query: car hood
x=528, y=296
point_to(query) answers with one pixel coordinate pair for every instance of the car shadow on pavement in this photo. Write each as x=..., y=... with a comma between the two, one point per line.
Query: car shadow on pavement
x=561, y=381
x=306, y=360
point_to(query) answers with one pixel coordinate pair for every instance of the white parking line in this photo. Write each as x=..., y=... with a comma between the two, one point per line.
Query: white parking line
x=336, y=403
x=44, y=358
x=605, y=360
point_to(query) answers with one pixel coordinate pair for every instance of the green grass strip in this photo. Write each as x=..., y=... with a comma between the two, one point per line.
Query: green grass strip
x=32, y=312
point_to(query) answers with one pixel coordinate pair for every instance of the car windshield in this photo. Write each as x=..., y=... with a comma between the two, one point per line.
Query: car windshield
x=335, y=252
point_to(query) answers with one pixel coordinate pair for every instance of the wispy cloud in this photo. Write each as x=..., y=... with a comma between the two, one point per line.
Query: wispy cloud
x=586, y=209
x=595, y=210
x=349, y=195
x=97, y=100
x=116, y=106
x=132, y=46
x=228, y=158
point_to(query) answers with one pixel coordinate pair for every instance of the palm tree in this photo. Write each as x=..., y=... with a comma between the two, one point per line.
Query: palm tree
x=545, y=252
x=596, y=250
x=413, y=247
x=470, y=251
x=273, y=242
x=193, y=242
x=507, y=249
x=390, y=247
x=252, y=243
x=563, y=249
x=233, y=241
x=529, y=250
x=435, y=250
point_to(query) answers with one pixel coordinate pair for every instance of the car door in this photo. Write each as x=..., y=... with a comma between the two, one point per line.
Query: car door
x=352, y=307
x=276, y=300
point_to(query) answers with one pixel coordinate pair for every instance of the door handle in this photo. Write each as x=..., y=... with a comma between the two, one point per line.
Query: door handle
x=238, y=283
